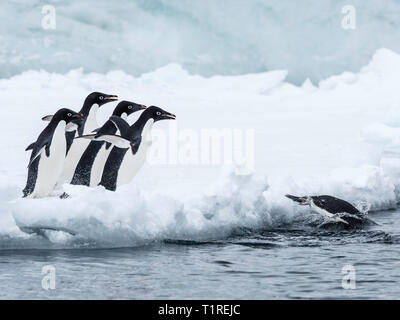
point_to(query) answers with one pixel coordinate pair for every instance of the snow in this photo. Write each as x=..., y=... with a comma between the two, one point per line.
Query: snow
x=331, y=137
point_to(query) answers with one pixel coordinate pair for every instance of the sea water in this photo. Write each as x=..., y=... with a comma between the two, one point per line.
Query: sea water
x=292, y=261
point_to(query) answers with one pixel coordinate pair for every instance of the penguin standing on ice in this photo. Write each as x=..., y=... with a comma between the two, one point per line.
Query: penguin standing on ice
x=337, y=210
x=75, y=148
x=129, y=153
x=90, y=166
x=48, y=154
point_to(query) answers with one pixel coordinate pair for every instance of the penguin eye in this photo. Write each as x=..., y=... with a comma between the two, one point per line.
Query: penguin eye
x=130, y=107
x=158, y=113
x=101, y=97
x=69, y=114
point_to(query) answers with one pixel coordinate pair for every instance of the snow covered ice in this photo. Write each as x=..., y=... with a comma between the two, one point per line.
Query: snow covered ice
x=317, y=138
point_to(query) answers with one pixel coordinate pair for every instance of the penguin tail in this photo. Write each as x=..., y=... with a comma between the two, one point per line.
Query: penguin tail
x=31, y=146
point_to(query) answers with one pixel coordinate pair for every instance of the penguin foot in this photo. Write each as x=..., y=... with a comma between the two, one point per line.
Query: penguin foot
x=64, y=196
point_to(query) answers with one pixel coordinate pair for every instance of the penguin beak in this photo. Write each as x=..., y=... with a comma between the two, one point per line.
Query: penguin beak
x=142, y=107
x=110, y=97
x=168, y=116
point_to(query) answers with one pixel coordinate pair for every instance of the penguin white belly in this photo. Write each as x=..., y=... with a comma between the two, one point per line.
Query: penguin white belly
x=77, y=149
x=72, y=159
x=91, y=121
x=320, y=211
x=327, y=214
x=131, y=164
x=100, y=161
x=98, y=165
x=50, y=168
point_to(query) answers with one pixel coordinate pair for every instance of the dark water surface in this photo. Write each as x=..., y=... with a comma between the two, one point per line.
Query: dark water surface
x=289, y=262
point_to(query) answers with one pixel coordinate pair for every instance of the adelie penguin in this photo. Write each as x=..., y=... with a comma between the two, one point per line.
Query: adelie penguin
x=48, y=154
x=337, y=211
x=75, y=148
x=90, y=167
x=129, y=153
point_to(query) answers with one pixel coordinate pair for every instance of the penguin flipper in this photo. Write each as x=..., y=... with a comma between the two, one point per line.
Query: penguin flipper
x=371, y=222
x=337, y=218
x=87, y=136
x=113, y=139
x=47, y=150
x=47, y=118
x=35, y=153
x=135, y=145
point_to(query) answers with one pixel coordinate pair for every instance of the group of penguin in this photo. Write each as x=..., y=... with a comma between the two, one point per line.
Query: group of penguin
x=74, y=149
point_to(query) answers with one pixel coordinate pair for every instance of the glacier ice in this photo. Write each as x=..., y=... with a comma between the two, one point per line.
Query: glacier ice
x=206, y=37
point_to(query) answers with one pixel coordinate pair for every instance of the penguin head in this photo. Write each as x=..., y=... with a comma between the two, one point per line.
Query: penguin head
x=159, y=114
x=67, y=115
x=303, y=201
x=127, y=107
x=100, y=98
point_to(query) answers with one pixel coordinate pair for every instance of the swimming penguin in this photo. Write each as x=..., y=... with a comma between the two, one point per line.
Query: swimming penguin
x=130, y=150
x=75, y=148
x=337, y=210
x=48, y=154
x=90, y=167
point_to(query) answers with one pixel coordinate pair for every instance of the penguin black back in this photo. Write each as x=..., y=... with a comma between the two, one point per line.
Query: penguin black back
x=111, y=168
x=335, y=205
x=32, y=176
